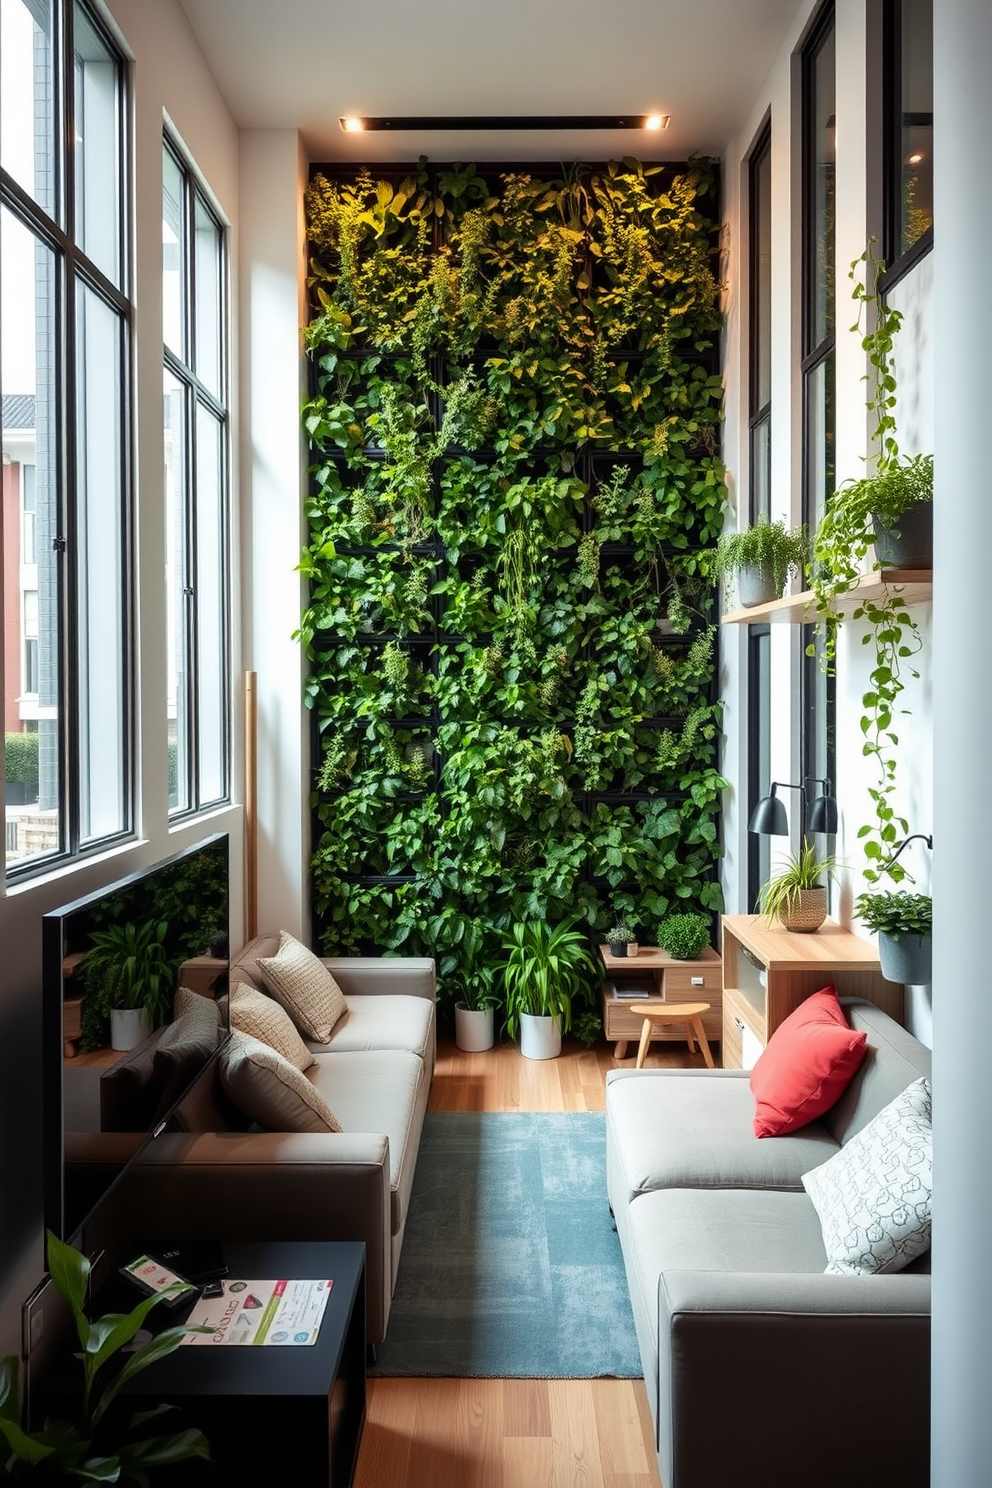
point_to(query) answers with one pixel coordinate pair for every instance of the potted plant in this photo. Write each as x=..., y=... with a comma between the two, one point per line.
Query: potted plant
x=684, y=936
x=468, y=969
x=619, y=938
x=904, y=925
x=760, y=560
x=129, y=980
x=84, y=1449
x=797, y=895
x=546, y=969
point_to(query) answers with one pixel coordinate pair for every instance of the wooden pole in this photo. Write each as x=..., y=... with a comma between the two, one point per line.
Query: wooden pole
x=251, y=806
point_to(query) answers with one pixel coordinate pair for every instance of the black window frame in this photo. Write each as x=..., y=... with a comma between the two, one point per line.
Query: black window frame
x=197, y=394
x=898, y=260
x=55, y=230
x=758, y=744
x=759, y=413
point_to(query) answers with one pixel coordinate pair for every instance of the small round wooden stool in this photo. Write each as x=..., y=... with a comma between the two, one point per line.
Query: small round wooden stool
x=689, y=1013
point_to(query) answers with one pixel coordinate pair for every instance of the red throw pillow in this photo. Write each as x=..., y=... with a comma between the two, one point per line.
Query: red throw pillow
x=810, y=1060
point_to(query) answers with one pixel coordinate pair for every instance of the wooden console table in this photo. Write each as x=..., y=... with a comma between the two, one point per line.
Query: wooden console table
x=675, y=982
x=768, y=972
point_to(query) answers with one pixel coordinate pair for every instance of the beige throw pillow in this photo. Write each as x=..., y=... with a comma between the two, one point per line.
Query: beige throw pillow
x=305, y=987
x=265, y=1019
x=266, y=1088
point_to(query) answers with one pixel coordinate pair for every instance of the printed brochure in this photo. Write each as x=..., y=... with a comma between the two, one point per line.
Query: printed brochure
x=261, y=1313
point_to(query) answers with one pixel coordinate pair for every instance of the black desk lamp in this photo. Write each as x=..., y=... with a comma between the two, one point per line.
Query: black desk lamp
x=769, y=818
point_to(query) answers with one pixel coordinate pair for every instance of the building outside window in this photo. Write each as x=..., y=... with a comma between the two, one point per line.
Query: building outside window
x=65, y=328
x=197, y=499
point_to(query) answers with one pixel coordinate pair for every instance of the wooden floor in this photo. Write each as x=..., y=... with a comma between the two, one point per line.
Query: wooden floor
x=449, y=1433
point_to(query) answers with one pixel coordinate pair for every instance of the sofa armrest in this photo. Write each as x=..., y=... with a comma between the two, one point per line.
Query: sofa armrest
x=365, y=976
x=265, y=1186
x=774, y=1355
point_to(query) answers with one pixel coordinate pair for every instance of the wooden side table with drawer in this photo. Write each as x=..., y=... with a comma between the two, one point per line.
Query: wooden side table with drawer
x=675, y=982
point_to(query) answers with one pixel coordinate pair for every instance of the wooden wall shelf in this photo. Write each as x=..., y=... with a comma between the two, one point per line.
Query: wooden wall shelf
x=914, y=584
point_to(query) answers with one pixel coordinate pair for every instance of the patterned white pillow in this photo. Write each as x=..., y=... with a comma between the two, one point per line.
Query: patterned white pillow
x=873, y=1197
x=305, y=987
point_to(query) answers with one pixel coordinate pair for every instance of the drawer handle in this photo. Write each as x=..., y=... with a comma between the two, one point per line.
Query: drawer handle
x=698, y=982
x=739, y=1024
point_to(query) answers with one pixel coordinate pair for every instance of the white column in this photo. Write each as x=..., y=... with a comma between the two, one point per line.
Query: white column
x=962, y=705
x=272, y=277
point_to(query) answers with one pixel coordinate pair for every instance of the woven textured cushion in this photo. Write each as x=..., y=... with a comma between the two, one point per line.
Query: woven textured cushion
x=305, y=987
x=267, y=1089
x=265, y=1019
x=874, y=1195
x=810, y=1060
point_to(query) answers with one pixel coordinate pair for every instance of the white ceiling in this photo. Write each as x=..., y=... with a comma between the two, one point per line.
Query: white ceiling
x=301, y=63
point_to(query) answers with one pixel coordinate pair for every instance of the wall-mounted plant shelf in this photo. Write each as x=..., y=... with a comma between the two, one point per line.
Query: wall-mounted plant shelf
x=914, y=584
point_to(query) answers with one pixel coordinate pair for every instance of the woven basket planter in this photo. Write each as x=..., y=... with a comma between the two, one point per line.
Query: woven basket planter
x=807, y=911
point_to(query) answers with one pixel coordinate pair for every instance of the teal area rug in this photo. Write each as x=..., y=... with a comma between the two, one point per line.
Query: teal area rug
x=510, y=1265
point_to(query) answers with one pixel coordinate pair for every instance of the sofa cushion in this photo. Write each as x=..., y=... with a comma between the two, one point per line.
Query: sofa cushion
x=383, y=1092
x=808, y=1063
x=383, y=1021
x=265, y=1019
x=873, y=1197
x=693, y=1129
x=270, y=1090
x=894, y=1060
x=305, y=987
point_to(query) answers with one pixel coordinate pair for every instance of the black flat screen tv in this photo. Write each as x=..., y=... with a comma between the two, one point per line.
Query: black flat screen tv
x=100, y=1110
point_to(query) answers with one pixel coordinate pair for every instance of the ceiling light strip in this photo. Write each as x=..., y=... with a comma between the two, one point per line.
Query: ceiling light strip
x=357, y=123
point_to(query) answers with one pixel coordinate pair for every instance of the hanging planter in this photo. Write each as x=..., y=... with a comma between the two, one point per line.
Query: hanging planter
x=906, y=958
x=904, y=924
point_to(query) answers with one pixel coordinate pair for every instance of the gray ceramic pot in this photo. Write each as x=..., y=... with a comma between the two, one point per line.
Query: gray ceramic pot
x=756, y=585
x=906, y=959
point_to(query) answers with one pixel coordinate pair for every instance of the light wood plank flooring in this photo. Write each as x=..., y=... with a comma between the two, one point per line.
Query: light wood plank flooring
x=450, y=1433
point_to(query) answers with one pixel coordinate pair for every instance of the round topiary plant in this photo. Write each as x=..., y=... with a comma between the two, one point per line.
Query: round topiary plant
x=684, y=936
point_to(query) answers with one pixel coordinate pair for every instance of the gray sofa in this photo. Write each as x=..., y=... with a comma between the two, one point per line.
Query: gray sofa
x=211, y=1178
x=761, y=1371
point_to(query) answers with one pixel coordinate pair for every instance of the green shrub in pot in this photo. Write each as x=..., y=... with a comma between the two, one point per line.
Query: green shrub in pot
x=797, y=894
x=904, y=925
x=684, y=936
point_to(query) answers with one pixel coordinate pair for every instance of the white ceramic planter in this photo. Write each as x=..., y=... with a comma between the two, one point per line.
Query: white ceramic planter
x=129, y=1027
x=473, y=1028
x=540, y=1037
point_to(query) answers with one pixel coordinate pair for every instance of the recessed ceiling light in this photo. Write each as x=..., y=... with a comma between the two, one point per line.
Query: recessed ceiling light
x=508, y=122
x=351, y=125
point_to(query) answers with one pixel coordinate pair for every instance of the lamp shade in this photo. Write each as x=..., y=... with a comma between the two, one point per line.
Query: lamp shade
x=769, y=818
x=822, y=815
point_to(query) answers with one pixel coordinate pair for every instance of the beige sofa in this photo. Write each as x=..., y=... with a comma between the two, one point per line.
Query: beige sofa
x=761, y=1371
x=210, y=1177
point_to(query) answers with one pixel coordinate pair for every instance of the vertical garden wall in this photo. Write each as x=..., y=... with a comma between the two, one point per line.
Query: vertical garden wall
x=513, y=420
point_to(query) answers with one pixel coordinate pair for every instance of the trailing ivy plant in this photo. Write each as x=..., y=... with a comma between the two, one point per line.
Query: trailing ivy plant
x=841, y=544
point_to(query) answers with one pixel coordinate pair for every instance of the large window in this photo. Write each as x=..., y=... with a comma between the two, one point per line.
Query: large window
x=760, y=281
x=817, y=706
x=196, y=466
x=908, y=136
x=65, y=326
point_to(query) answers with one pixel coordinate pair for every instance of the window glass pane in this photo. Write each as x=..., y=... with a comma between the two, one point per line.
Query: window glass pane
x=761, y=390
x=98, y=164
x=915, y=132
x=821, y=190
x=101, y=607
x=761, y=468
x=28, y=415
x=176, y=582
x=173, y=269
x=211, y=614
x=819, y=482
x=26, y=97
x=208, y=302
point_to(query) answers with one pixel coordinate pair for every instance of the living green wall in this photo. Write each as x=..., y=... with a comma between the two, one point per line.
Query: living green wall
x=515, y=489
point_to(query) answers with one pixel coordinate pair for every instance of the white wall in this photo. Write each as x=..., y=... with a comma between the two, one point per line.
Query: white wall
x=170, y=77
x=780, y=98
